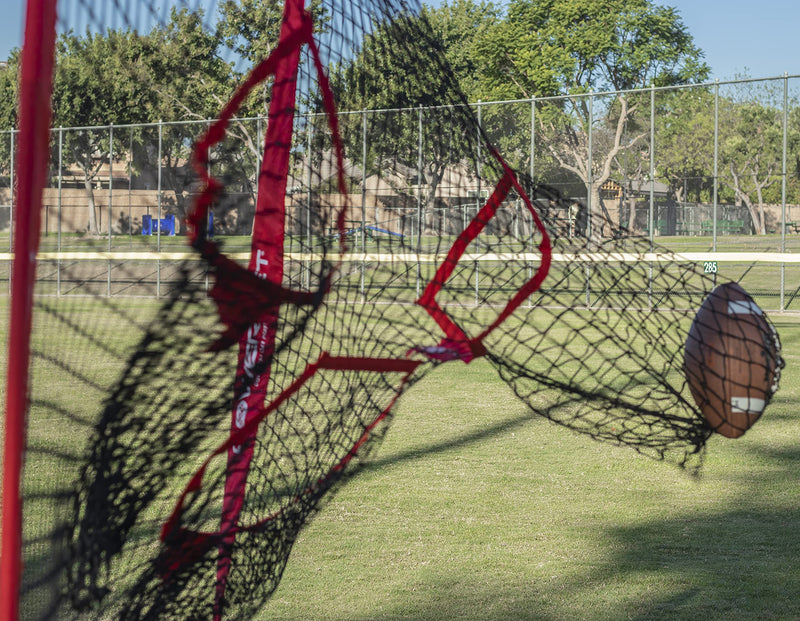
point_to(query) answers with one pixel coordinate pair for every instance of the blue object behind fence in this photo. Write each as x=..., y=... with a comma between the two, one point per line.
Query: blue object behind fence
x=376, y=229
x=152, y=226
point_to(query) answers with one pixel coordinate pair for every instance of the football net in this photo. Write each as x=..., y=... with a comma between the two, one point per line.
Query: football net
x=176, y=450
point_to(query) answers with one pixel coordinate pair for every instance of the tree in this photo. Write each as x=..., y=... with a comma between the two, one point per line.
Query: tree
x=250, y=30
x=95, y=85
x=8, y=107
x=750, y=156
x=399, y=69
x=751, y=147
x=569, y=48
x=8, y=91
x=183, y=69
x=461, y=25
x=685, y=142
x=176, y=72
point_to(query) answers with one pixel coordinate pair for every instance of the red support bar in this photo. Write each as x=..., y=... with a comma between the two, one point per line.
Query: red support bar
x=38, y=55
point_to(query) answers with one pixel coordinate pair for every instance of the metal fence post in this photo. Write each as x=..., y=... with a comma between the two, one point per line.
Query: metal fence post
x=130, y=187
x=58, y=227
x=11, y=208
x=652, y=174
x=419, y=198
x=716, y=171
x=783, y=183
x=110, y=179
x=652, y=171
x=158, y=227
x=110, y=185
x=479, y=155
x=477, y=284
x=309, y=129
x=480, y=187
x=589, y=171
x=259, y=154
x=532, y=168
x=363, y=197
x=589, y=206
x=419, y=178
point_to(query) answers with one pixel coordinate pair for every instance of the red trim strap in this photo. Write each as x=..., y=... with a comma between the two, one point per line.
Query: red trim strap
x=456, y=344
x=186, y=545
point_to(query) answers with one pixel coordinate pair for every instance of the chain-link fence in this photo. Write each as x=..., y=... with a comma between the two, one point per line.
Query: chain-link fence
x=710, y=167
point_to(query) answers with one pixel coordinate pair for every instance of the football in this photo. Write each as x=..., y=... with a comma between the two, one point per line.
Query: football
x=732, y=360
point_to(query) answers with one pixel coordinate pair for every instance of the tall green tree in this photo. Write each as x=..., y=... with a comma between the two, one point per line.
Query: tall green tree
x=189, y=82
x=8, y=107
x=751, y=147
x=97, y=82
x=173, y=73
x=461, y=26
x=750, y=139
x=399, y=67
x=8, y=90
x=183, y=69
x=180, y=72
x=685, y=142
x=570, y=48
x=250, y=30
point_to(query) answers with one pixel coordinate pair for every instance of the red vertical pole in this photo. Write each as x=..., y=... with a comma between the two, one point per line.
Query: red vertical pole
x=266, y=260
x=38, y=53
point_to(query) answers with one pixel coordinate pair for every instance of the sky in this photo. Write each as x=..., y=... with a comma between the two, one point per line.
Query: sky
x=760, y=38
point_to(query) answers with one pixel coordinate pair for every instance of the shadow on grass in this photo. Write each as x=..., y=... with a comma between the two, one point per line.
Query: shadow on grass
x=738, y=563
x=728, y=560
x=501, y=429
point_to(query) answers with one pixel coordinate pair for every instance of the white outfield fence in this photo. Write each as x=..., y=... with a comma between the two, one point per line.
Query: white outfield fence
x=772, y=278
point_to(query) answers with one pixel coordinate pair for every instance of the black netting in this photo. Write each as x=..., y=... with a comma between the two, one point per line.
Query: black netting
x=439, y=254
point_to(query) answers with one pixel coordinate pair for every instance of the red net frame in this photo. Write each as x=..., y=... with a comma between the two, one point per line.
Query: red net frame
x=32, y=160
x=244, y=299
x=266, y=262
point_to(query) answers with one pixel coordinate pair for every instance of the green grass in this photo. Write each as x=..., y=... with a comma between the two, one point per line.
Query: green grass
x=241, y=243
x=474, y=508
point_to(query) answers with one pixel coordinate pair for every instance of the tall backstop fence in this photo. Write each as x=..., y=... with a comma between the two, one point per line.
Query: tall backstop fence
x=709, y=168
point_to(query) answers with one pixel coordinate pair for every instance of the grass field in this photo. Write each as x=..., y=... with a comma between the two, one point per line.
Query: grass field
x=473, y=508
x=773, y=286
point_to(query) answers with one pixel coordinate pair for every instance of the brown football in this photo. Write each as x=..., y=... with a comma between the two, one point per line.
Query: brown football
x=732, y=360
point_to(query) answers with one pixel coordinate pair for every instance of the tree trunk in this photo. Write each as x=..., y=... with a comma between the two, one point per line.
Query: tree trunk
x=596, y=219
x=761, y=229
x=433, y=178
x=632, y=213
x=92, y=226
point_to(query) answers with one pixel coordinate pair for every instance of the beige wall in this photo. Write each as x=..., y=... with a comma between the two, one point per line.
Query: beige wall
x=74, y=210
x=125, y=207
x=130, y=206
